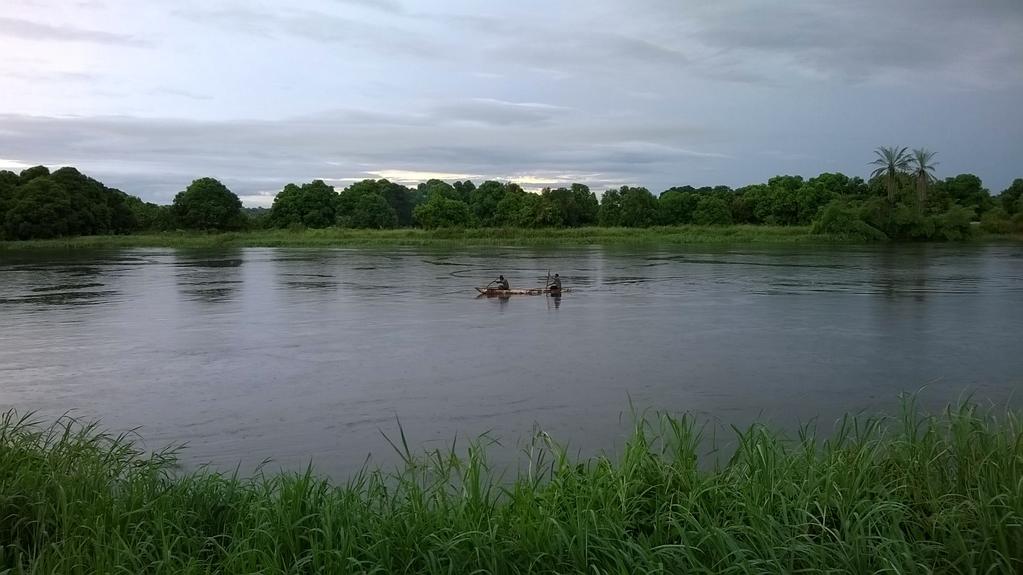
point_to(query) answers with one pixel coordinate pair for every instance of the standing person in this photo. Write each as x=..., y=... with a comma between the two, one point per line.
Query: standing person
x=555, y=283
x=502, y=283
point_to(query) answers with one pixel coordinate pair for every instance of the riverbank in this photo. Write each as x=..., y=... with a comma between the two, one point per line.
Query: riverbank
x=910, y=494
x=338, y=237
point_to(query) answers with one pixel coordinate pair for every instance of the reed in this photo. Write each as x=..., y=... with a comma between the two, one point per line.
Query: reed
x=444, y=237
x=907, y=494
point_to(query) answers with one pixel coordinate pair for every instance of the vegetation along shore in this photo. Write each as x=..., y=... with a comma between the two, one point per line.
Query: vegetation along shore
x=901, y=200
x=908, y=494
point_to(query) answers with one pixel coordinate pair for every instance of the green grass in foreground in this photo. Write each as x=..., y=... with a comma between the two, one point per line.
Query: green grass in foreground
x=453, y=237
x=911, y=494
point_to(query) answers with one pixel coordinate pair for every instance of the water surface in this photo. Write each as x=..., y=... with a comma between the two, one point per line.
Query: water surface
x=307, y=354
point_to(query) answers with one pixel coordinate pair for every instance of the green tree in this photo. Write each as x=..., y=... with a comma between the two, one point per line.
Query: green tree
x=923, y=173
x=1012, y=197
x=441, y=212
x=372, y=211
x=517, y=210
x=638, y=207
x=149, y=216
x=96, y=209
x=207, y=204
x=610, y=214
x=675, y=206
x=891, y=162
x=968, y=191
x=483, y=200
x=586, y=206
x=431, y=188
x=313, y=205
x=840, y=184
x=40, y=209
x=400, y=199
x=712, y=210
x=29, y=174
x=463, y=191
x=8, y=187
x=361, y=205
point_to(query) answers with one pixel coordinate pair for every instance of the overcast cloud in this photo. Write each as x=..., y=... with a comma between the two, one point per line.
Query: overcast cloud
x=148, y=96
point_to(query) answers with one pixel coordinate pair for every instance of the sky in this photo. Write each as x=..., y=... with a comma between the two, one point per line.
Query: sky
x=147, y=96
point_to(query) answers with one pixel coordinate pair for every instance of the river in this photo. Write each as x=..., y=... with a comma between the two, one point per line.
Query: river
x=299, y=355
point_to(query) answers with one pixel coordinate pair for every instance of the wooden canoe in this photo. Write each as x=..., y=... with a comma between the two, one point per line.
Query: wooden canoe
x=494, y=292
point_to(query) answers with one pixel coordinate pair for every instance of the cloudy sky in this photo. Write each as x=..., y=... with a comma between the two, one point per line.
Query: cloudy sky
x=147, y=96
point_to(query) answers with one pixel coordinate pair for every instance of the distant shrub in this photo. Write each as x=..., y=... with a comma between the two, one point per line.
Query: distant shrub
x=954, y=224
x=996, y=221
x=840, y=219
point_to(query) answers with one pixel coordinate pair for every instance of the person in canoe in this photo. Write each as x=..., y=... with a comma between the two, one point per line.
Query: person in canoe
x=555, y=284
x=501, y=283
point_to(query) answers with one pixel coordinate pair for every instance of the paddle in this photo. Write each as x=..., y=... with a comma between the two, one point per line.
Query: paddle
x=546, y=289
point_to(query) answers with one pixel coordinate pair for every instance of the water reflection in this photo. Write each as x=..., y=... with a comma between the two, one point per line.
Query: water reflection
x=207, y=277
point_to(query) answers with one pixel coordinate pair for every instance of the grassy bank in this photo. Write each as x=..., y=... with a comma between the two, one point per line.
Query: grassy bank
x=912, y=494
x=453, y=237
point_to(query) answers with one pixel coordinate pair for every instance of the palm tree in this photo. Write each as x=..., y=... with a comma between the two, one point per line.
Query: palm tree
x=923, y=171
x=892, y=161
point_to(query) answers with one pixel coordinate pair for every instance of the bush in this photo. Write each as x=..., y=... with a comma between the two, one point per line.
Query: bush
x=996, y=221
x=839, y=219
x=955, y=223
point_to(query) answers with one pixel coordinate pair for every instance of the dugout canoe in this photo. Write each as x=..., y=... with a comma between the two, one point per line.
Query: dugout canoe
x=494, y=292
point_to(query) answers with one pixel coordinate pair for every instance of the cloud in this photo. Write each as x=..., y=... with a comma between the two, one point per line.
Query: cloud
x=869, y=40
x=155, y=158
x=28, y=30
x=314, y=26
x=495, y=112
x=392, y=6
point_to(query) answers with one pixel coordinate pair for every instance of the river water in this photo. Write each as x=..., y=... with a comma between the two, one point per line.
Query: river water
x=299, y=355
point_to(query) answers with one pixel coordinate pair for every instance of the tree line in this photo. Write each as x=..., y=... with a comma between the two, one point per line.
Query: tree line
x=901, y=200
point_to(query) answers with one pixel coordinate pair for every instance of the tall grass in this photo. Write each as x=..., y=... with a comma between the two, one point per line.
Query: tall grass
x=912, y=494
x=445, y=237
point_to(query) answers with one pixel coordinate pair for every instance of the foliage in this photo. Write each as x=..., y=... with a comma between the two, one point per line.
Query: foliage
x=29, y=174
x=575, y=206
x=432, y=188
x=313, y=205
x=484, y=200
x=934, y=211
x=441, y=212
x=712, y=210
x=1011, y=198
x=967, y=191
x=628, y=207
x=997, y=221
x=923, y=173
x=369, y=211
x=838, y=218
x=150, y=216
x=399, y=200
x=891, y=161
x=207, y=204
x=41, y=208
x=912, y=493
x=676, y=207
x=77, y=205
